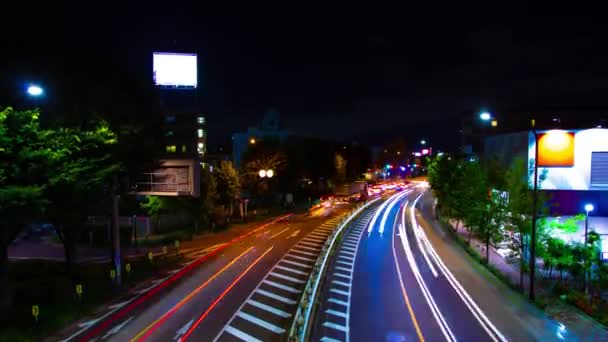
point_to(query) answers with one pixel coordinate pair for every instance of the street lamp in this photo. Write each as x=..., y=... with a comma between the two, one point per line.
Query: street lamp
x=485, y=116
x=266, y=173
x=588, y=208
x=35, y=90
x=423, y=142
x=252, y=141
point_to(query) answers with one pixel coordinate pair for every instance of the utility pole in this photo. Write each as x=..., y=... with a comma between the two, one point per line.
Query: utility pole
x=534, y=213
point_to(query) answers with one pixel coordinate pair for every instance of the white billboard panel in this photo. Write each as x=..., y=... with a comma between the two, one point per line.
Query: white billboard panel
x=570, y=160
x=174, y=69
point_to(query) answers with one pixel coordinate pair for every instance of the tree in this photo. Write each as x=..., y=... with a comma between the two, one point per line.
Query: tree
x=340, y=168
x=79, y=187
x=228, y=186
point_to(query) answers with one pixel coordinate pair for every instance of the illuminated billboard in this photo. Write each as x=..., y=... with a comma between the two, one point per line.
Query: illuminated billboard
x=570, y=160
x=178, y=70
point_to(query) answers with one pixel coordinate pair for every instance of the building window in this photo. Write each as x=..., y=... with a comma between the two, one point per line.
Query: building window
x=169, y=118
x=169, y=133
x=200, y=133
x=171, y=148
x=201, y=148
x=184, y=149
x=200, y=120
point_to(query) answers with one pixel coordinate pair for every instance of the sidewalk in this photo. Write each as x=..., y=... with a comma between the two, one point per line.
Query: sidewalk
x=517, y=314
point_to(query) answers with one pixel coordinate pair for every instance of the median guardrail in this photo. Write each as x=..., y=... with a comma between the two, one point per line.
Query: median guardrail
x=300, y=324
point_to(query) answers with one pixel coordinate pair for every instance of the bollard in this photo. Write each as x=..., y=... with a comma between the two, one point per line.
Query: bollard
x=79, y=292
x=35, y=313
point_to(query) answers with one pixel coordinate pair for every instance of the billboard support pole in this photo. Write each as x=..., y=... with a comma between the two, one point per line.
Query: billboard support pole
x=534, y=214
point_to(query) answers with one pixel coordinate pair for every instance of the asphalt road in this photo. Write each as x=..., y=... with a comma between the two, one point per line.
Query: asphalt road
x=388, y=282
x=217, y=299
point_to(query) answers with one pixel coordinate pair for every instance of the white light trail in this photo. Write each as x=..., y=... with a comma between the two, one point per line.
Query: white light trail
x=483, y=320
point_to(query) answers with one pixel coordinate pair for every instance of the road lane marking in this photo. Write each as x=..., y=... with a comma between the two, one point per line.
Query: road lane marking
x=308, y=243
x=338, y=301
x=340, y=283
x=350, y=249
x=336, y=274
x=344, y=269
x=117, y=328
x=346, y=257
x=298, y=257
x=223, y=294
x=314, y=239
x=483, y=320
x=260, y=322
x=404, y=293
x=239, y=334
x=308, y=248
x=294, y=234
x=280, y=286
x=336, y=313
x=344, y=293
x=297, y=263
x=335, y=326
x=279, y=233
x=288, y=269
x=182, y=330
x=351, y=244
x=274, y=296
x=345, y=263
x=302, y=252
x=148, y=330
x=293, y=280
x=268, y=308
x=347, y=253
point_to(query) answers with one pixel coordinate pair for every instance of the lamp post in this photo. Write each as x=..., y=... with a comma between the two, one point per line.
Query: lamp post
x=588, y=208
x=534, y=213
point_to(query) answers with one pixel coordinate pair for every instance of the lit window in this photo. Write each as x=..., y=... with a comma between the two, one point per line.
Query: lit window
x=184, y=148
x=200, y=120
x=200, y=133
x=201, y=148
x=169, y=133
x=171, y=148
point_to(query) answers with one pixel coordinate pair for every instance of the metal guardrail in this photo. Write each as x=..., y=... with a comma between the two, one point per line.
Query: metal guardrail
x=299, y=326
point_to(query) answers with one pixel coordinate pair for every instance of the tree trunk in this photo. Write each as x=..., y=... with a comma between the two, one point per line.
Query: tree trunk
x=5, y=294
x=457, y=224
x=469, y=238
x=488, y=249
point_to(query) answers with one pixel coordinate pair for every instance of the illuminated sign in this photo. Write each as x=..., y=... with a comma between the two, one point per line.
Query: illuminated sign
x=570, y=160
x=174, y=69
x=425, y=151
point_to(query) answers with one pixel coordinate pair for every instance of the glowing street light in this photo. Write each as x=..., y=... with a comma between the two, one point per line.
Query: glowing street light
x=252, y=141
x=589, y=207
x=423, y=142
x=266, y=173
x=34, y=90
x=485, y=116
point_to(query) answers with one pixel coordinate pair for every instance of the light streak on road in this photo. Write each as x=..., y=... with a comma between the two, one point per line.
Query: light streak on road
x=483, y=320
x=222, y=295
x=390, y=206
x=418, y=238
x=147, y=331
x=445, y=329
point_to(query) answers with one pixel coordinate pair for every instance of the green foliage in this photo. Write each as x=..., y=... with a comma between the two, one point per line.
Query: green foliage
x=570, y=225
x=227, y=183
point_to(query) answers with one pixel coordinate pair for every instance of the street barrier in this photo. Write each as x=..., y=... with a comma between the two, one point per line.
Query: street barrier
x=299, y=326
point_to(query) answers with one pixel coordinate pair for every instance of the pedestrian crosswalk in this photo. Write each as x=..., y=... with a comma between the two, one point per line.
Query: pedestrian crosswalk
x=335, y=311
x=268, y=312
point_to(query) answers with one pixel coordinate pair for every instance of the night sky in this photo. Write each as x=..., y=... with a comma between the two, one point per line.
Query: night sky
x=363, y=74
